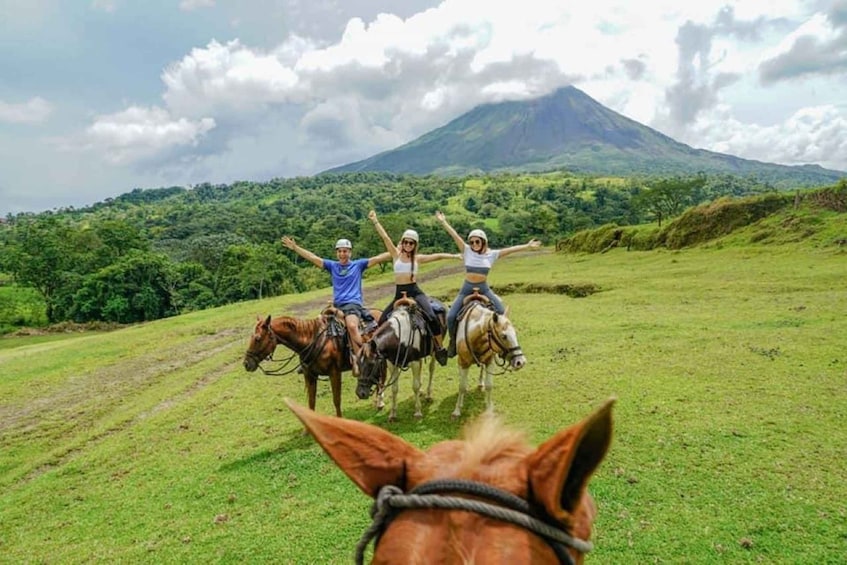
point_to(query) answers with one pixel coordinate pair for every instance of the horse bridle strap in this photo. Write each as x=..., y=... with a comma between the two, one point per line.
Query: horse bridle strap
x=507, y=507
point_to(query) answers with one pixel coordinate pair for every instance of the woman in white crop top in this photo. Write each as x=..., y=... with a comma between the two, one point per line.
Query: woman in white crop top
x=406, y=261
x=478, y=262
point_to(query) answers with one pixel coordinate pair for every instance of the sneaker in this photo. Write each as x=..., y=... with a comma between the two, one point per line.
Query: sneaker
x=451, y=349
x=441, y=356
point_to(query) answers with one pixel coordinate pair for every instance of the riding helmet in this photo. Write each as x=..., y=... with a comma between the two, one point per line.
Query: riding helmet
x=343, y=243
x=478, y=233
x=410, y=234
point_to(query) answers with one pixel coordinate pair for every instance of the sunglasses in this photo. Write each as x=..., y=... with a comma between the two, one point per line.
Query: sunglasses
x=409, y=242
x=475, y=241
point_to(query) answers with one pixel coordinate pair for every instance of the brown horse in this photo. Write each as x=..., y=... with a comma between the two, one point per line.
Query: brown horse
x=486, y=339
x=320, y=343
x=402, y=341
x=488, y=498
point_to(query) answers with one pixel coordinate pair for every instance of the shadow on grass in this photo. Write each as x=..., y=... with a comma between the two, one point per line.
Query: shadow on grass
x=437, y=425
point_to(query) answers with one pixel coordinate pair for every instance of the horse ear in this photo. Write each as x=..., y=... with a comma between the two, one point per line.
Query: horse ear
x=506, y=311
x=561, y=467
x=268, y=321
x=369, y=455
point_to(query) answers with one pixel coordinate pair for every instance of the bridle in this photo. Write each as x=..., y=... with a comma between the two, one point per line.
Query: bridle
x=504, y=352
x=496, y=503
x=307, y=355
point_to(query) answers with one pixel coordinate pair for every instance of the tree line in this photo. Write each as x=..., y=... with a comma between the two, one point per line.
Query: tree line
x=154, y=253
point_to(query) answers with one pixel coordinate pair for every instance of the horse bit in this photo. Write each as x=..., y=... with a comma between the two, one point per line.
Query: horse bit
x=508, y=508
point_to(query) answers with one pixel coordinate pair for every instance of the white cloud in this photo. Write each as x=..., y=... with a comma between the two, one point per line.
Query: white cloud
x=227, y=77
x=138, y=133
x=32, y=111
x=189, y=5
x=105, y=5
x=813, y=135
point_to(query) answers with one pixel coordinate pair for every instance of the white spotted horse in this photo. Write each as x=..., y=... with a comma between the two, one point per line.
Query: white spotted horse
x=486, y=339
x=403, y=341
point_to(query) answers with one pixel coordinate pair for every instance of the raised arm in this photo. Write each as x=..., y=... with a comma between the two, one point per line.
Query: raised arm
x=289, y=242
x=439, y=215
x=430, y=257
x=377, y=259
x=532, y=244
x=386, y=239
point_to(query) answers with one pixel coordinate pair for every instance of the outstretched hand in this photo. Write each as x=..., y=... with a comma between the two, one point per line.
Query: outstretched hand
x=372, y=216
x=439, y=215
x=289, y=242
x=534, y=243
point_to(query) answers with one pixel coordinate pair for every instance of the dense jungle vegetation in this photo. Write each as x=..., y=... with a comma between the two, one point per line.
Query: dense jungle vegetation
x=154, y=253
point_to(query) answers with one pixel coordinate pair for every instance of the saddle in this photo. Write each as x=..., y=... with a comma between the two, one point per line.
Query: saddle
x=417, y=316
x=468, y=301
x=334, y=318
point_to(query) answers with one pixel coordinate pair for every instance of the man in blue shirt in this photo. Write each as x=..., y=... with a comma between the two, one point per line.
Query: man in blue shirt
x=346, y=275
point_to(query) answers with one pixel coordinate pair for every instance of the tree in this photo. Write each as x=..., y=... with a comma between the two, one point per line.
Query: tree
x=667, y=198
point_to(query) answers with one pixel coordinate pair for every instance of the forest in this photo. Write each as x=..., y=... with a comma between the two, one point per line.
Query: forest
x=154, y=253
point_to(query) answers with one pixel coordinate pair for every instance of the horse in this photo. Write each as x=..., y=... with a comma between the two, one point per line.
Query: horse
x=402, y=341
x=320, y=343
x=484, y=338
x=486, y=498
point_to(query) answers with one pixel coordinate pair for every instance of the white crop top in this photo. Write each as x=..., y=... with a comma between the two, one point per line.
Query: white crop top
x=404, y=268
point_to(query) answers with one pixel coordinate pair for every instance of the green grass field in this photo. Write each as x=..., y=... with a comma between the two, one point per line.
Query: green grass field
x=152, y=444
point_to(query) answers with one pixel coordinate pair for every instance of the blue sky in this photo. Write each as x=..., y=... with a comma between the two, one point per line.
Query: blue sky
x=98, y=97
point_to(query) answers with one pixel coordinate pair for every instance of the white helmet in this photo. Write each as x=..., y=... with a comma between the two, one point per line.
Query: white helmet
x=478, y=233
x=343, y=243
x=410, y=234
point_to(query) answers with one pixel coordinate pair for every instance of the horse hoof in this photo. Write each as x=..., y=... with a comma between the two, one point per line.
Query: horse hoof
x=418, y=416
x=455, y=416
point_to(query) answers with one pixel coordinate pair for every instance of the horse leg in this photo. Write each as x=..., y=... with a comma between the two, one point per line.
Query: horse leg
x=311, y=393
x=311, y=389
x=481, y=384
x=335, y=384
x=379, y=397
x=463, y=389
x=488, y=371
x=429, y=384
x=395, y=388
x=417, y=366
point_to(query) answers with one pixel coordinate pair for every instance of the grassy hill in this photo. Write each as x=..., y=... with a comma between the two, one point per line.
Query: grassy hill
x=151, y=443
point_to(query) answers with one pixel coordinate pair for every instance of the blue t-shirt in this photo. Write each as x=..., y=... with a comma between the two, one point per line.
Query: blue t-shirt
x=347, y=281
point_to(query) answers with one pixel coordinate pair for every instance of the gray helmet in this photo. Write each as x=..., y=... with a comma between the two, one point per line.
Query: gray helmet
x=478, y=233
x=343, y=244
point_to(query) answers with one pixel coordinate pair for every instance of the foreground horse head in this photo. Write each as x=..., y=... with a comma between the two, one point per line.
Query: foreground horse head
x=402, y=341
x=486, y=339
x=450, y=504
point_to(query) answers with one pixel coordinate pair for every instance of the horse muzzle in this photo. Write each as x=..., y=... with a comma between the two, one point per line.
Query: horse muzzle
x=250, y=364
x=518, y=361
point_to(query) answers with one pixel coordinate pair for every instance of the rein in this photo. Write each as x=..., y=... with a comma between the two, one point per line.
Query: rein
x=402, y=364
x=501, y=359
x=307, y=355
x=497, y=504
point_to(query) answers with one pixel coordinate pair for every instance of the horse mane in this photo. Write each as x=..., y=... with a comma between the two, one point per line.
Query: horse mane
x=487, y=439
x=300, y=326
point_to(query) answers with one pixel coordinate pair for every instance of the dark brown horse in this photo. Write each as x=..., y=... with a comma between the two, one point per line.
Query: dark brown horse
x=403, y=341
x=320, y=343
x=487, y=498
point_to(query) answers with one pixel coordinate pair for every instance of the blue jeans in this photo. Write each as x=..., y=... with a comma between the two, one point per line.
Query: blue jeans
x=464, y=292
